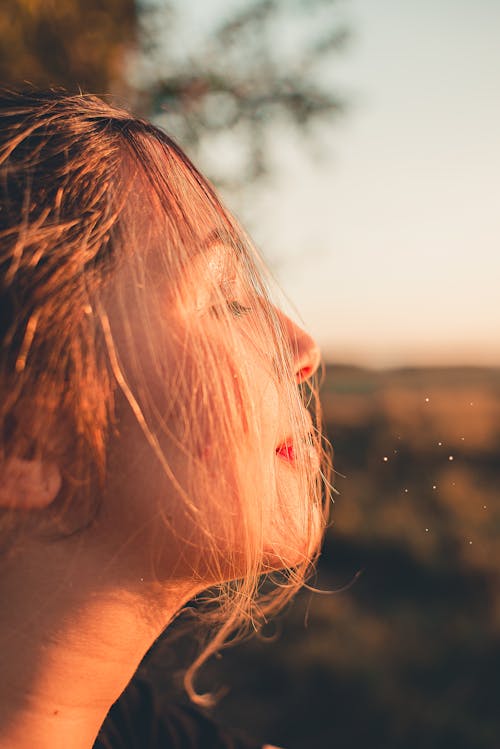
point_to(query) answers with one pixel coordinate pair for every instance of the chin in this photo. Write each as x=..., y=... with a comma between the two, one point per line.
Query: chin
x=295, y=539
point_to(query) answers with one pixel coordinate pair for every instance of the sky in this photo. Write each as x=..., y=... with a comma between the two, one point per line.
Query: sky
x=389, y=244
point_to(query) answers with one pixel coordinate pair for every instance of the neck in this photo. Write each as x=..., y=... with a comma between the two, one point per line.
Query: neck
x=67, y=655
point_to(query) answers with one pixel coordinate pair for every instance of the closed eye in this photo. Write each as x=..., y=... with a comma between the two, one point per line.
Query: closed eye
x=236, y=309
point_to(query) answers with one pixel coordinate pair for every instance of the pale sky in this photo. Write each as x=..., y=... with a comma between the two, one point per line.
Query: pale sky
x=390, y=246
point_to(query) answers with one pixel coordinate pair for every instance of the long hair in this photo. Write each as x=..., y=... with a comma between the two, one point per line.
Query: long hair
x=91, y=195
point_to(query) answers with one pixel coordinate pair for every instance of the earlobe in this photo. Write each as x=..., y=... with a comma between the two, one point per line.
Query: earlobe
x=28, y=484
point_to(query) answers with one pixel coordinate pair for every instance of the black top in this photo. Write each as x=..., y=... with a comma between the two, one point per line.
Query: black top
x=134, y=722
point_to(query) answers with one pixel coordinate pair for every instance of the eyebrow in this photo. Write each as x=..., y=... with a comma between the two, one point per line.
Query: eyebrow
x=214, y=237
x=223, y=237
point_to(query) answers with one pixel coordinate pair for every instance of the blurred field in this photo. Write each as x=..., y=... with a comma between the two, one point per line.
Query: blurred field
x=407, y=652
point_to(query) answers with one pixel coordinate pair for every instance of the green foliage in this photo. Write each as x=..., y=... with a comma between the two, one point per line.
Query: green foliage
x=227, y=87
x=250, y=71
x=77, y=44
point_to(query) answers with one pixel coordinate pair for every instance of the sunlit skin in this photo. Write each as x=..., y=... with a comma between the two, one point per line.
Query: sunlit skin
x=83, y=611
x=268, y=455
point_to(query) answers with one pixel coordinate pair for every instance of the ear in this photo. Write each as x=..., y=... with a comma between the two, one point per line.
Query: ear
x=28, y=484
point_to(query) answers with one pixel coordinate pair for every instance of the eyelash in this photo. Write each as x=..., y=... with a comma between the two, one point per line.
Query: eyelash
x=235, y=308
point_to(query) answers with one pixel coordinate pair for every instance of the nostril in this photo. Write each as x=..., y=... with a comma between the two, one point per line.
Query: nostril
x=306, y=356
x=304, y=373
x=308, y=360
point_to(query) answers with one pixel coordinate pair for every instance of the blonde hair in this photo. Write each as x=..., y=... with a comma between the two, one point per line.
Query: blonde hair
x=91, y=194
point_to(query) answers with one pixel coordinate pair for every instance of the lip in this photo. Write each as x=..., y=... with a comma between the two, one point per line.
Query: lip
x=286, y=451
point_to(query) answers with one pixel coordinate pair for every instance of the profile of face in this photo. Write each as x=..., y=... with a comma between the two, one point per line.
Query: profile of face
x=187, y=380
x=158, y=430
x=229, y=437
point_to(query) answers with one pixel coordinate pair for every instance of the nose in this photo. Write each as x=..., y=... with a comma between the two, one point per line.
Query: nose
x=305, y=350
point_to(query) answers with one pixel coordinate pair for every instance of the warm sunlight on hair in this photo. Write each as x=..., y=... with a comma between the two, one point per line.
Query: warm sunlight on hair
x=145, y=366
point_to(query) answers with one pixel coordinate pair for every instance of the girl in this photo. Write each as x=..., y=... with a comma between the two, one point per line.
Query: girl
x=155, y=435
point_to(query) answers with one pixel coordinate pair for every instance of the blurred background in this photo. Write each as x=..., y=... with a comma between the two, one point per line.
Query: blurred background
x=358, y=142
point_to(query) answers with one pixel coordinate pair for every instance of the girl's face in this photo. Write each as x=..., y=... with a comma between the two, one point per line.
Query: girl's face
x=213, y=442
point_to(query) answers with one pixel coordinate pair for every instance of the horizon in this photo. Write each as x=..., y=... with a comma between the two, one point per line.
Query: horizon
x=388, y=244
x=333, y=364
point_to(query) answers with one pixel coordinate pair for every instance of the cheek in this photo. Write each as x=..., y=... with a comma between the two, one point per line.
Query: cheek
x=206, y=408
x=218, y=415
